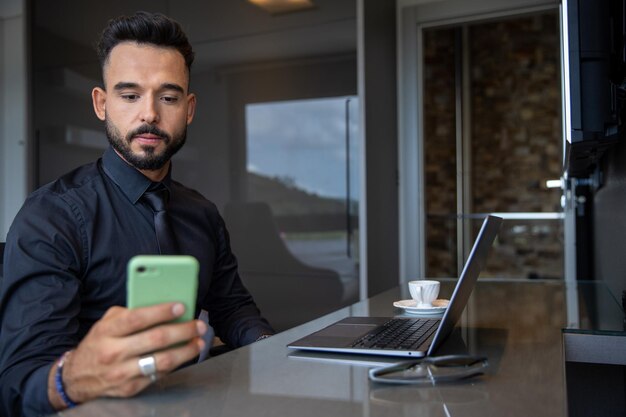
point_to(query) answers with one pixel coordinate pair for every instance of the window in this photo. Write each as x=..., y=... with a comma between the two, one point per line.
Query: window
x=302, y=160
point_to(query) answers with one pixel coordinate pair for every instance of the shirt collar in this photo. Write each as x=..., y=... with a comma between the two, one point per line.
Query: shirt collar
x=132, y=182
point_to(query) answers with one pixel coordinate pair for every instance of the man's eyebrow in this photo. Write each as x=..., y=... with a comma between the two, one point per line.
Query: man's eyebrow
x=172, y=86
x=122, y=85
x=165, y=86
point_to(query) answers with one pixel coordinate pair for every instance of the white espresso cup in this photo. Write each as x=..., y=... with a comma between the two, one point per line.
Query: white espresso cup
x=424, y=292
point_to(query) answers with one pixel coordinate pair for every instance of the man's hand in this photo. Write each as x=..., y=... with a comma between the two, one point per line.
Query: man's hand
x=105, y=363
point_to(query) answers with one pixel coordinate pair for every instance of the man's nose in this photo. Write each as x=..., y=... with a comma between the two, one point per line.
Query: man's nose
x=150, y=112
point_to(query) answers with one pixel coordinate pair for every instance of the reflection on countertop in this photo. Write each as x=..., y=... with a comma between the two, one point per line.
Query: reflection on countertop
x=516, y=324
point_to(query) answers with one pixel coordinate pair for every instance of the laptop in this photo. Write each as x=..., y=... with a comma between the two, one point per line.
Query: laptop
x=405, y=336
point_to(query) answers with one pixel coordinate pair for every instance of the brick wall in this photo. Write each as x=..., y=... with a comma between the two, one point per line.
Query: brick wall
x=516, y=142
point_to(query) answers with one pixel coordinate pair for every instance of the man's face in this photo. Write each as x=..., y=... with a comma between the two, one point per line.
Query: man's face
x=146, y=106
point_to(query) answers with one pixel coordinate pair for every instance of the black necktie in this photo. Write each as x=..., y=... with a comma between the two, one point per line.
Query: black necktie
x=157, y=199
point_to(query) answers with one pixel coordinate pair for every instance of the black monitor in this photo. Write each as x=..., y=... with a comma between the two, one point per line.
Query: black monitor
x=595, y=72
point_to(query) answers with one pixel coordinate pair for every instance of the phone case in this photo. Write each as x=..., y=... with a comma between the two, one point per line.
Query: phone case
x=155, y=279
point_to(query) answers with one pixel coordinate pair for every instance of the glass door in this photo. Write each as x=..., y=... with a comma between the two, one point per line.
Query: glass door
x=492, y=142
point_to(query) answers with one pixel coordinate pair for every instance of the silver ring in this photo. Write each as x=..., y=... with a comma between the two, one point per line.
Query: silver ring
x=147, y=366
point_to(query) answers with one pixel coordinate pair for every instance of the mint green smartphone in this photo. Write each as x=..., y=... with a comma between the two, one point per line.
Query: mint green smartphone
x=155, y=279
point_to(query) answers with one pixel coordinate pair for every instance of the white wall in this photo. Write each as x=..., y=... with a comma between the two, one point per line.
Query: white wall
x=13, y=131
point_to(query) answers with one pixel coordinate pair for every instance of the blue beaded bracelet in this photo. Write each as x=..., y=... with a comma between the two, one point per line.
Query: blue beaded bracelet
x=58, y=379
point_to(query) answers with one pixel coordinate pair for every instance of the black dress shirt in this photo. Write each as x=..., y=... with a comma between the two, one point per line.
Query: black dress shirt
x=65, y=265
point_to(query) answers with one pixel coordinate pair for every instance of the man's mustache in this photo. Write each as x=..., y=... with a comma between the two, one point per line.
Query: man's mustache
x=153, y=130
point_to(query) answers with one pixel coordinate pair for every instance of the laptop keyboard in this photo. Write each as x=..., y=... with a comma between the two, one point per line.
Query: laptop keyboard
x=404, y=334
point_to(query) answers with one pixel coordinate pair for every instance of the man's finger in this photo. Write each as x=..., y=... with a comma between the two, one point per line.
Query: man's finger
x=170, y=359
x=165, y=362
x=162, y=337
x=118, y=321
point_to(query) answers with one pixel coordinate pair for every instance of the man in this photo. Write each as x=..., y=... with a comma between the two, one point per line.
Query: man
x=65, y=337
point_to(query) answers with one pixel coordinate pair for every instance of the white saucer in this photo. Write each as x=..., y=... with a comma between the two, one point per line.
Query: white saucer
x=438, y=307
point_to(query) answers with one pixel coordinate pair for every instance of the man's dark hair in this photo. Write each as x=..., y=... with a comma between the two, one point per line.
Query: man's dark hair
x=144, y=28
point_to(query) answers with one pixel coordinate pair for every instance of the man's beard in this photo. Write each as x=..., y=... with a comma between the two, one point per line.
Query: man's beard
x=150, y=160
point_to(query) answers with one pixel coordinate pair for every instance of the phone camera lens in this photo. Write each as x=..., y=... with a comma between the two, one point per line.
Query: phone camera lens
x=141, y=269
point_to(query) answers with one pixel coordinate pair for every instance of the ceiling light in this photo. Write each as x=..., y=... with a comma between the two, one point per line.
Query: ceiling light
x=283, y=6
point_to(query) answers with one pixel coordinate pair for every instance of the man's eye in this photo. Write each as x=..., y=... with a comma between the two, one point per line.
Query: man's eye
x=130, y=97
x=169, y=99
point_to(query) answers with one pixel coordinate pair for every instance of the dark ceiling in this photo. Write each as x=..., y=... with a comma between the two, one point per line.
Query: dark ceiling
x=223, y=32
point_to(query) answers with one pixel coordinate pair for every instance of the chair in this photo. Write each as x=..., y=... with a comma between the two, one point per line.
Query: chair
x=287, y=291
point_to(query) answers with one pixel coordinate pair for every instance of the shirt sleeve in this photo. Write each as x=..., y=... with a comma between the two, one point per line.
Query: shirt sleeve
x=39, y=301
x=232, y=311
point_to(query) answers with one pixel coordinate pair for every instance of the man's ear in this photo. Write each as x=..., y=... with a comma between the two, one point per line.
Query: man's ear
x=99, y=98
x=191, y=107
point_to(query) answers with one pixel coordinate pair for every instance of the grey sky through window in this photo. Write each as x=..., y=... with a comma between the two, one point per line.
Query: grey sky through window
x=303, y=142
